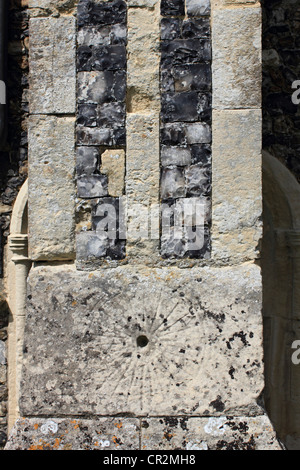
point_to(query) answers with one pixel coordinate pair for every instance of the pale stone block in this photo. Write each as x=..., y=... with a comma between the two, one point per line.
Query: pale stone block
x=52, y=65
x=51, y=187
x=143, y=158
x=236, y=65
x=143, y=341
x=195, y=434
x=113, y=165
x=74, y=434
x=236, y=195
x=143, y=66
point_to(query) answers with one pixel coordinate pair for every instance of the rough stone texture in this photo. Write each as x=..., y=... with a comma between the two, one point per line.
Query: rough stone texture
x=52, y=65
x=194, y=434
x=236, y=196
x=88, y=354
x=113, y=165
x=236, y=36
x=74, y=434
x=143, y=94
x=142, y=165
x=51, y=188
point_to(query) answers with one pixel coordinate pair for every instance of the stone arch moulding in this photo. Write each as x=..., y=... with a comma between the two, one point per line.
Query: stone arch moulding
x=18, y=266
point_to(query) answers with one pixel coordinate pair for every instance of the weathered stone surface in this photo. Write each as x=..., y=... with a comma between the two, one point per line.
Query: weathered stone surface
x=142, y=162
x=236, y=38
x=51, y=187
x=74, y=434
x=2, y=353
x=236, y=196
x=113, y=165
x=52, y=65
x=194, y=434
x=203, y=356
x=143, y=94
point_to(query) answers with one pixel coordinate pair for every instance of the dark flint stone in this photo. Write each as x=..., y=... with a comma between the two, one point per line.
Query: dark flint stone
x=196, y=28
x=111, y=115
x=119, y=85
x=119, y=137
x=201, y=153
x=103, y=35
x=101, y=136
x=90, y=13
x=204, y=252
x=172, y=183
x=204, y=107
x=172, y=8
x=167, y=81
x=198, y=180
x=185, y=51
x=171, y=28
x=92, y=186
x=101, y=58
x=173, y=134
x=192, y=77
x=87, y=115
x=108, y=86
x=109, y=58
x=179, y=107
x=118, y=34
x=84, y=58
x=86, y=160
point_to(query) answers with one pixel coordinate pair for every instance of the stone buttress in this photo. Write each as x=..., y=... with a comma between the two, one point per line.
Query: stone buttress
x=143, y=323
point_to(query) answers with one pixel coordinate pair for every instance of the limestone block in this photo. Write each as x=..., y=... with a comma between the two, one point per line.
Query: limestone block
x=194, y=434
x=236, y=195
x=74, y=434
x=143, y=341
x=52, y=65
x=143, y=59
x=51, y=187
x=143, y=155
x=113, y=165
x=236, y=45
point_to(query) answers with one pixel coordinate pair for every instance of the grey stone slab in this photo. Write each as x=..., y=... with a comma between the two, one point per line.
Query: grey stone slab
x=236, y=43
x=195, y=434
x=52, y=189
x=52, y=65
x=103, y=434
x=83, y=354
